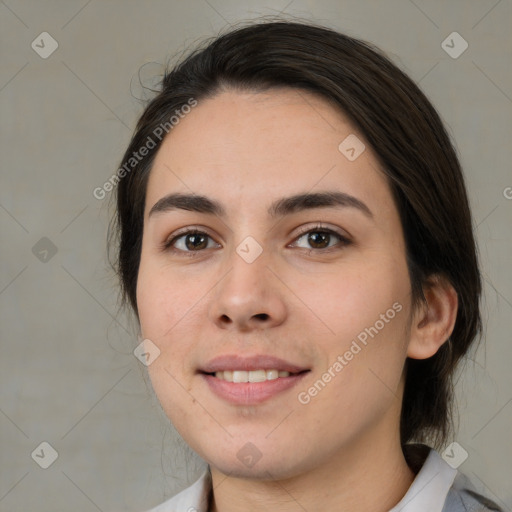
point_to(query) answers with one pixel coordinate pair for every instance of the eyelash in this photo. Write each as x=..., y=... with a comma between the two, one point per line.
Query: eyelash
x=319, y=228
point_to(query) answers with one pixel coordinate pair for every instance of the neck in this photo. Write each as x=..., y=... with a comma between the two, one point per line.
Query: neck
x=370, y=474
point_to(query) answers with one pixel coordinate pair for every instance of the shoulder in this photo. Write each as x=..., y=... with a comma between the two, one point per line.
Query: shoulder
x=439, y=486
x=463, y=497
x=192, y=499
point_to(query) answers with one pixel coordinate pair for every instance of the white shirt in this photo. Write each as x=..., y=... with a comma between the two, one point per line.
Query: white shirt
x=437, y=488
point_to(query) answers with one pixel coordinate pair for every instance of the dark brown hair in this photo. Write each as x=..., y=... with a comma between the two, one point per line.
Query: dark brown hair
x=411, y=144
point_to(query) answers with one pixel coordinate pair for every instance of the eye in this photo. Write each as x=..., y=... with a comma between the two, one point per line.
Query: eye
x=192, y=240
x=319, y=238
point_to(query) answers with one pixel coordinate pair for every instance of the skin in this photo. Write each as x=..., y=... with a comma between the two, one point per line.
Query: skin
x=342, y=449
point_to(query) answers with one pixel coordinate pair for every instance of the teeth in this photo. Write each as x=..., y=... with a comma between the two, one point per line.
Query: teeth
x=272, y=374
x=240, y=376
x=257, y=376
x=252, y=376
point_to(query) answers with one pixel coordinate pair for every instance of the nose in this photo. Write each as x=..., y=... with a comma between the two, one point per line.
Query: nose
x=249, y=297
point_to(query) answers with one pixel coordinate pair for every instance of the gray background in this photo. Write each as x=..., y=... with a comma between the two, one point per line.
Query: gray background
x=67, y=372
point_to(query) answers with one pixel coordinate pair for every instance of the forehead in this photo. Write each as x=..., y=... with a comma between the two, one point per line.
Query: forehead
x=245, y=148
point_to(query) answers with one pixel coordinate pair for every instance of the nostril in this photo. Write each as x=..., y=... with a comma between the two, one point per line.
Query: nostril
x=262, y=316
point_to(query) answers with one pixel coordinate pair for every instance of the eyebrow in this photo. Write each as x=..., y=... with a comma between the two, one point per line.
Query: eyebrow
x=279, y=208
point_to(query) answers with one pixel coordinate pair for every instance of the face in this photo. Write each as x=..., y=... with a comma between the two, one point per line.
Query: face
x=317, y=289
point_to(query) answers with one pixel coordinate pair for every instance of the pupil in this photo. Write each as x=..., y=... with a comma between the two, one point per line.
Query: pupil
x=313, y=238
x=195, y=238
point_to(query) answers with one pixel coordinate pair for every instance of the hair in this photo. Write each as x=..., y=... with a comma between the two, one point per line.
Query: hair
x=413, y=149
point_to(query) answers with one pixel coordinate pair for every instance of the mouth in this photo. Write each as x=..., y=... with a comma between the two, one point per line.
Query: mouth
x=241, y=376
x=250, y=380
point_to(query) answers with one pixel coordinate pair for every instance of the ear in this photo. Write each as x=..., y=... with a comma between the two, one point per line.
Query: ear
x=433, y=322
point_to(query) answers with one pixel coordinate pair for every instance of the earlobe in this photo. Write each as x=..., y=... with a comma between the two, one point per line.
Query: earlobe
x=434, y=320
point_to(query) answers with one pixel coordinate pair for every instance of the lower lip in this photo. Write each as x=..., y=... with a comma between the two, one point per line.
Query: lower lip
x=249, y=393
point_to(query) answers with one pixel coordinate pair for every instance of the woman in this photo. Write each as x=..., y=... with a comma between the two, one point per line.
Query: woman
x=296, y=243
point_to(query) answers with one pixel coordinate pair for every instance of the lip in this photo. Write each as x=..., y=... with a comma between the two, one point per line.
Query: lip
x=249, y=363
x=250, y=393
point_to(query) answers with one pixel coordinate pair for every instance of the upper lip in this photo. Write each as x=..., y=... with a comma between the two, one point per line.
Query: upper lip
x=249, y=363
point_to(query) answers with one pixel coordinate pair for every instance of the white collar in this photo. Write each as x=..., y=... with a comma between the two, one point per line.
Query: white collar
x=430, y=488
x=427, y=493
x=191, y=499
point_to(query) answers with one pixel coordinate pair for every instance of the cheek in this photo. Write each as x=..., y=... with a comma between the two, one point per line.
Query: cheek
x=367, y=313
x=167, y=305
x=171, y=311
x=355, y=298
x=165, y=298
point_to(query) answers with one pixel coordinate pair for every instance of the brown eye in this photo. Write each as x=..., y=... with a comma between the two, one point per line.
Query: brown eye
x=320, y=238
x=189, y=241
x=195, y=241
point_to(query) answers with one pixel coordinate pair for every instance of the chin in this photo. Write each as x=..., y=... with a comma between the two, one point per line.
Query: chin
x=251, y=463
x=269, y=470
